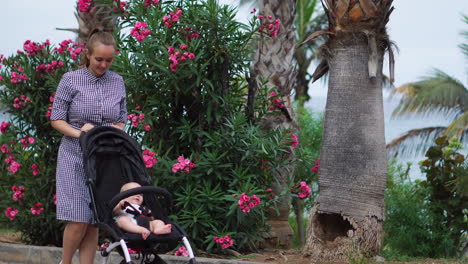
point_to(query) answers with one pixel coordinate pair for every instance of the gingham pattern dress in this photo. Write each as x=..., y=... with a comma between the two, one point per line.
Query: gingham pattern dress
x=83, y=98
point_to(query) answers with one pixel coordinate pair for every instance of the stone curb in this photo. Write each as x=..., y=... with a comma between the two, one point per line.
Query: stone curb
x=20, y=254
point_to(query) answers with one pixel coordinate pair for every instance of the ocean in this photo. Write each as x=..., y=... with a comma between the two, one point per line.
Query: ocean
x=395, y=127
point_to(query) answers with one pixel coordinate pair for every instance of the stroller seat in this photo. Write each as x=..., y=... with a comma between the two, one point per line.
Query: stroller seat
x=112, y=158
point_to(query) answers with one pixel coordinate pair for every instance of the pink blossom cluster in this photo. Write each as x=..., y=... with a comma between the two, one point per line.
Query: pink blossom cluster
x=17, y=77
x=122, y=6
x=172, y=18
x=14, y=165
x=136, y=119
x=27, y=141
x=37, y=209
x=269, y=25
x=183, y=165
x=35, y=169
x=189, y=33
x=225, y=241
x=276, y=103
x=4, y=149
x=140, y=31
x=176, y=55
x=74, y=48
x=317, y=165
x=32, y=48
x=182, y=251
x=18, y=193
x=85, y=5
x=246, y=203
x=49, y=68
x=149, y=158
x=302, y=190
x=294, y=141
x=49, y=108
x=151, y=2
x=11, y=213
x=4, y=126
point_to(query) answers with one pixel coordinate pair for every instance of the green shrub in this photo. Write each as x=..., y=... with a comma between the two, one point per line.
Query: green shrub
x=29, y=144
x=425, y=218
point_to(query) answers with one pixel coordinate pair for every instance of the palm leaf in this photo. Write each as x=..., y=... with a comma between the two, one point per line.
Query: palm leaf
x=437, y=93
x=458, y=127
x=414, y=142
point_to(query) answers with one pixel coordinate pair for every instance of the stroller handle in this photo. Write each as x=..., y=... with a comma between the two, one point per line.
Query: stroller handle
x=138, y=190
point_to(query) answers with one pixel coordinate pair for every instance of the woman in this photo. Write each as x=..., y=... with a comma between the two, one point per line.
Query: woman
x=88, y=97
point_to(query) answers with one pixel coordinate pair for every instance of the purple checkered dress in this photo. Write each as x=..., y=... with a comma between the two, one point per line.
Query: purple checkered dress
x=83, y=98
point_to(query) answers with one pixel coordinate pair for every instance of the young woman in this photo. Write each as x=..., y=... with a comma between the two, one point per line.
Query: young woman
x=88, y=97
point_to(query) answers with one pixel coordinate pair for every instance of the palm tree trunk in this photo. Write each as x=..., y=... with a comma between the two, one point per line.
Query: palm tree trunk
x=350, y=206
x=274, y=63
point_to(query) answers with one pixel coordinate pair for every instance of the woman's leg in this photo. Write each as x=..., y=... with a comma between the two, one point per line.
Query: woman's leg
x=72, y=238
x=88, y=245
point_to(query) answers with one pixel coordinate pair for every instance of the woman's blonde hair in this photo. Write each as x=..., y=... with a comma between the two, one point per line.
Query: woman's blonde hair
x=98, y=36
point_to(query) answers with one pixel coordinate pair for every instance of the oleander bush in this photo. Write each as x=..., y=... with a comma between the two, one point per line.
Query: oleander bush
x=184, y=65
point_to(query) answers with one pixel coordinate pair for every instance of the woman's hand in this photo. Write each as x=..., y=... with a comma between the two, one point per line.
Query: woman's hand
x=120, y=126
x=86, y=127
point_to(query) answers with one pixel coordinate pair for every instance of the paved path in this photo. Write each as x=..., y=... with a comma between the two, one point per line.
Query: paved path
x=21, y=254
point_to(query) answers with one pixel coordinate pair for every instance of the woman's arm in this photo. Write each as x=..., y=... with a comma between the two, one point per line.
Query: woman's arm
x=63, y=127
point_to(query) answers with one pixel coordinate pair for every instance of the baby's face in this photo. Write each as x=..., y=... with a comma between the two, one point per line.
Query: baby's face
x=135, y=199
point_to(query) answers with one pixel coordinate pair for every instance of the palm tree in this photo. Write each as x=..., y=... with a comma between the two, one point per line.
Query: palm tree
x=438, y=93
x=99, y=15
x=349, y=210
x=274, y=63
x=310, y=18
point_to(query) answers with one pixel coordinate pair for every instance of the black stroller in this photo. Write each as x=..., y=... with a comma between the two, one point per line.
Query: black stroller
x=112, y=158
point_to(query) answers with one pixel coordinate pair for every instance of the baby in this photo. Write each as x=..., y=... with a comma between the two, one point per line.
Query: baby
x=126, y=220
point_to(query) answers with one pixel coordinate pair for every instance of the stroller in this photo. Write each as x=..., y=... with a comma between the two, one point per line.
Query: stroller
x=112, y=158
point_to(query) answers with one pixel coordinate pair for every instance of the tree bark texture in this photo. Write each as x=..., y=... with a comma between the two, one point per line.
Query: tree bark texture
x=274, y=64
x=349, y=210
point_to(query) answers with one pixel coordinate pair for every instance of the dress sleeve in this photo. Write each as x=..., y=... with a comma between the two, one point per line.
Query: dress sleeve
x=62, y=100
x=123, y=106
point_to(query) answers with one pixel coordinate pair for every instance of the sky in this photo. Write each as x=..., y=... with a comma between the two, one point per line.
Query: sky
x=427, y=33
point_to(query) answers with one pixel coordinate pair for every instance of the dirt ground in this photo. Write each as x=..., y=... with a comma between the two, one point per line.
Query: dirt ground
x=273, y=256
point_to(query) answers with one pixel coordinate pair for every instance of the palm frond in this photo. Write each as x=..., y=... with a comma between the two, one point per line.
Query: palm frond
x=436, y=93
x=458, y=127
x=414, y=142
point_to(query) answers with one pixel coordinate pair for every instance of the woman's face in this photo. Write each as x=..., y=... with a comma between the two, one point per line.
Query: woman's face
x=101, y=59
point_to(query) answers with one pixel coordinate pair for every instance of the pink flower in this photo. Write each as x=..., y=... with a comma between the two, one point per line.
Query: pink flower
x=183, y=165
x=183, y=46
x=11, y=213
x=317, y=166
x=246, y=203
x=35, y=169
x=4, y=126
x=18, y=193
x=149, y=158
x=4, y=148
x=85, y=5
x=302, y=189
x=37, y=209
x=55, y=199
x=139, y=31
x=14, y=166
x=294, y=141
x=172, y=18
x=151, y=2
x=147, y=127
x=225, y=241
x=182, y=251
